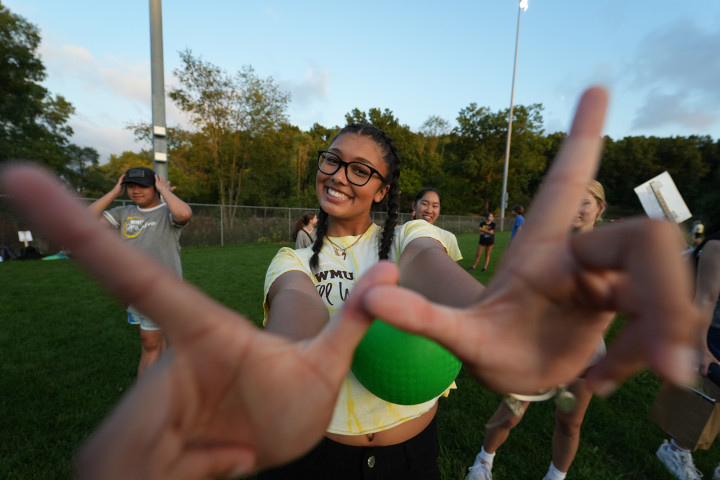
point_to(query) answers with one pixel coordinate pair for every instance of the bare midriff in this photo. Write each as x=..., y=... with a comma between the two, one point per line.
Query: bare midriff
x=391, y=436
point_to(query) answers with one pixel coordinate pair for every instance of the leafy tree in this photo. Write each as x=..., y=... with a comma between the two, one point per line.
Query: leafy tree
x=33, y=124
x=434, y=136
x=476, y=156
x=435, y=129
x=81, y=160
x=707, y=207
x=232, y=112
x=189, y=164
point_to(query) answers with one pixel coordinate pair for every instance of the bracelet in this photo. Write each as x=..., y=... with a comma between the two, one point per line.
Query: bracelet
x=565, y=400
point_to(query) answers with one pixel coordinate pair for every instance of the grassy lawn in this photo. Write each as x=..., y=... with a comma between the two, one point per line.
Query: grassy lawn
x=68, y=356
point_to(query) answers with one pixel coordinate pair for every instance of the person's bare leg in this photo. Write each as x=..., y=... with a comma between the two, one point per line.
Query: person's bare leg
x=499, y=425
x=152, y=343
x=488, y=249
x=566, y=438
x=477, y=256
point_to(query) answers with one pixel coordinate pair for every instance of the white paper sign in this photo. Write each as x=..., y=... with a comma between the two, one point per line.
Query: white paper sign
x=661, y=199
x=25, y=236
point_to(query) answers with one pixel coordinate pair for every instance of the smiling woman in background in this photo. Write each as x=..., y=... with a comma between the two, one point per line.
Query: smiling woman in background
x=427, y=206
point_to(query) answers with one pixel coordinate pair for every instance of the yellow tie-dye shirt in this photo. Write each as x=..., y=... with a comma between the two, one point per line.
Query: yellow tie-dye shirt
x=358, y=411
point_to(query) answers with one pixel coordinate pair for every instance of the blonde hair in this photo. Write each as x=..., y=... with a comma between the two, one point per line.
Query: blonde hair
x=596, y=190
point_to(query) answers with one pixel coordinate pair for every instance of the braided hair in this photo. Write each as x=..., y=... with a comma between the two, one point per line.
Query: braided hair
x=391, y=157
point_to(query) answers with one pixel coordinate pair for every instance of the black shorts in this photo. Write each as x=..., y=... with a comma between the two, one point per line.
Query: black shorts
x=487, y=239
x=415, y=459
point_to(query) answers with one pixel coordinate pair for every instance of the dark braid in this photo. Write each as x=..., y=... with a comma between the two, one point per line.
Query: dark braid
x=392, y=160
x=317, y=246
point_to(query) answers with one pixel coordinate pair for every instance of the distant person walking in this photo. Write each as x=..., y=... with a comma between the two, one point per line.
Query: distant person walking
x=487, y=241
x=304, y=232
x=150, y=225
x=518, y=210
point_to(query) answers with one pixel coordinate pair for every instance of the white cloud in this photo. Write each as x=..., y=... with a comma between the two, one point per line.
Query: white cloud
x=105, y=139
x=108, y=94
x=661, y=109
x=313, y=86
x=309, y=101
x=77, y=67
x=679, y=69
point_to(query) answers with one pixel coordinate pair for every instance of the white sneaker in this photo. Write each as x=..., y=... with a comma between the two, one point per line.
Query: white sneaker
x=479, y=471
x=716, y=474
x=678, y=462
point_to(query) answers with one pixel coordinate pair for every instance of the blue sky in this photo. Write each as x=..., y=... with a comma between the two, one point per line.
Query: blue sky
x=660, y=59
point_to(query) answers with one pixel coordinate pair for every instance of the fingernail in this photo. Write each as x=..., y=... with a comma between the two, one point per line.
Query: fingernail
x=605, y=388
x=239, y=471
x=681, y=365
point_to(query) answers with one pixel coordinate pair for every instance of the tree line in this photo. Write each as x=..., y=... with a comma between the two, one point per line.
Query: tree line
x=241, y=148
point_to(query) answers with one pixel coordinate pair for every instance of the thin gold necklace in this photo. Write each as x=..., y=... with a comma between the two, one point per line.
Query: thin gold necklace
x=340, y=250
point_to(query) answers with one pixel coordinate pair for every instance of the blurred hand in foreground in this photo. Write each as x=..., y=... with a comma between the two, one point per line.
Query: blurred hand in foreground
x=546, y=309
x=227, y=399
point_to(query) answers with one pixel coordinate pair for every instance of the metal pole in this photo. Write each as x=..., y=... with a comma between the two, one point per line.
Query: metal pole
x=503, y=198
x=159, y=131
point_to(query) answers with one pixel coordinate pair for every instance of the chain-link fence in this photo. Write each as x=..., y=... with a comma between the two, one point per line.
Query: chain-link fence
x=215, y=225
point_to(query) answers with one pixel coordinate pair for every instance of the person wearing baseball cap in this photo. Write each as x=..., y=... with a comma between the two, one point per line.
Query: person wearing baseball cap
x=153, y=224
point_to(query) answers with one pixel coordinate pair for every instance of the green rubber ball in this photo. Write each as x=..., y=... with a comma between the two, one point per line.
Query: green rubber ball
x=401, y=367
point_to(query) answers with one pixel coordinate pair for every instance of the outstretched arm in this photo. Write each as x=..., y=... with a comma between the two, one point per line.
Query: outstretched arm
x=227, y=399
x=554, y=294
x=426, y=268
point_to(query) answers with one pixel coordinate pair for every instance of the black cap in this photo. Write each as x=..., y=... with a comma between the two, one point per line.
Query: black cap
x=140, y=175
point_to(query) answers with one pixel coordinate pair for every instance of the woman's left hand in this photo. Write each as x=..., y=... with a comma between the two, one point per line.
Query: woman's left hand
x=227, y=398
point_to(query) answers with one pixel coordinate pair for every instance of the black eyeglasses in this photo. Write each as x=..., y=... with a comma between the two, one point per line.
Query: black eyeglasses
x=357, y=173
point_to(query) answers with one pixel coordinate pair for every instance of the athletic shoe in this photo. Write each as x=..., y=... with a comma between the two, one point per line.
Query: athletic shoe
x=678, y=462
x=471, y=268
x=484, y=269
x=716, y=474
x=479, y=471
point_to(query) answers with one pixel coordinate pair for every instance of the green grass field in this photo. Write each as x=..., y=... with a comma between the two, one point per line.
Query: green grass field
x=68, y=356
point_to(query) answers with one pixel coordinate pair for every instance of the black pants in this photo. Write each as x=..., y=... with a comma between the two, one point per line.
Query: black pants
x=415, y=459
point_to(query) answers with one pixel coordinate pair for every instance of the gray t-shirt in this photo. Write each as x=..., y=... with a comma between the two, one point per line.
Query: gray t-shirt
x=150, y=229
x=304, y=239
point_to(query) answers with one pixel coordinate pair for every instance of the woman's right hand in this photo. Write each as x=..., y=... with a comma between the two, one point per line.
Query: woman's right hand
x=554, y=295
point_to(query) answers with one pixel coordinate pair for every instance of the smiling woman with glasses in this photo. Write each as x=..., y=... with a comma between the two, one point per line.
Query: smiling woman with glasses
x=366, y=432
x=357, y=173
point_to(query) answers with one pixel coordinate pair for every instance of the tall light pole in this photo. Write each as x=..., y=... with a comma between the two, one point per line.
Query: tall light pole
x=157, y=76
x=523, y=6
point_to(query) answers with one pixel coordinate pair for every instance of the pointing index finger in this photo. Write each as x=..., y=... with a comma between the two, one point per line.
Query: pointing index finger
x=573, y=168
